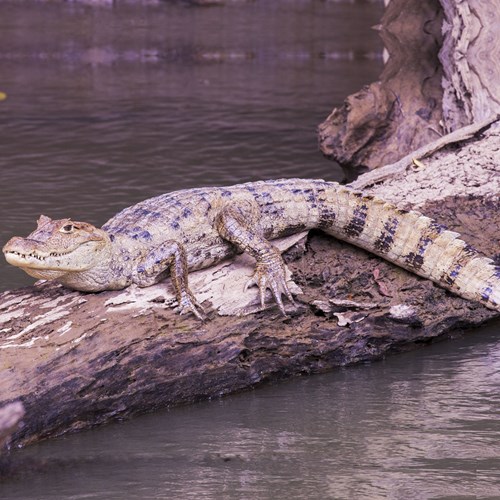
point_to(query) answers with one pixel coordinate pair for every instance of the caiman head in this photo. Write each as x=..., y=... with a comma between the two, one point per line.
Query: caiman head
x=57, y=248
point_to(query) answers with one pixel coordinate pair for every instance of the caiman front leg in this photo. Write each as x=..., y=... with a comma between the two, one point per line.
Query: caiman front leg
x=169, y=256
x=239, y=223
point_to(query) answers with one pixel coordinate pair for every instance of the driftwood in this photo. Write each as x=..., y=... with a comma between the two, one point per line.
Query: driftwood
x=78, y=360
x=470, y=57
x=441, y=75
x=400, y=168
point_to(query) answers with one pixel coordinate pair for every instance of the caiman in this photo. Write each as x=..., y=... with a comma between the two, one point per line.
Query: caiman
x=194, y=228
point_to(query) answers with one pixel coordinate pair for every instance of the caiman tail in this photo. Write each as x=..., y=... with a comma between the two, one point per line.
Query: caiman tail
x=412, y=241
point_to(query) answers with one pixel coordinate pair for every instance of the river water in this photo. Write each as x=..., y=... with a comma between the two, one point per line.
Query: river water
x=108, y=105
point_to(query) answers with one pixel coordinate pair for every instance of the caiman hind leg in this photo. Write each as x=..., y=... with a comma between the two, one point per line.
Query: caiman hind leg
x=239, y=224
x=169, y=256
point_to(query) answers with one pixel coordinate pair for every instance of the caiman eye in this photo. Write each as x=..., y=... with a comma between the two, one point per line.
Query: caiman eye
x=68, y=228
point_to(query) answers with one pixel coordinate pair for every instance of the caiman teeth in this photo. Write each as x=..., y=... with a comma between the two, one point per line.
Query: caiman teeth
x=35, y=256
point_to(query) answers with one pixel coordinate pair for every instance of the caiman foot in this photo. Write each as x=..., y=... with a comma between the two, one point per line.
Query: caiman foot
x=270, y=273
x=186, y=304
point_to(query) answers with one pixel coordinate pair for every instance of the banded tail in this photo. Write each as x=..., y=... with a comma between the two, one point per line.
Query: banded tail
x=412, y=241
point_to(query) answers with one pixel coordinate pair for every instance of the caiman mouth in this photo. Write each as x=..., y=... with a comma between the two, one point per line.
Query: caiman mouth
x=39, y=257
x=34, y=258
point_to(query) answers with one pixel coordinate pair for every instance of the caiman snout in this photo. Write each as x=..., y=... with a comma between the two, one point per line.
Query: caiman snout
x=18, y=249
x=19, y=245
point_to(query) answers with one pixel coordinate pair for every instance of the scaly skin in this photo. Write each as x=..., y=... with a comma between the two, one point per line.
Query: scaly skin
x=195, y=228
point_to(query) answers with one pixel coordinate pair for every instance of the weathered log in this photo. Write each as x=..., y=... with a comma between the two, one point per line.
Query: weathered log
x=441, y=75
x=470, y=58
x=401, y=167
x=78, y=360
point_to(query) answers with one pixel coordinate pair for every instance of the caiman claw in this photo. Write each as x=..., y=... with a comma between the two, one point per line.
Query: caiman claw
x=270, y=272
x=186, y=304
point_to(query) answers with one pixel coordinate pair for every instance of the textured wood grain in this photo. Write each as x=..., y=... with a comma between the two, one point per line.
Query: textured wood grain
x=470, y=57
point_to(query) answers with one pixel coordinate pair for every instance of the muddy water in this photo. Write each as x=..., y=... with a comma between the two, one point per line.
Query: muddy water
x=109, y=105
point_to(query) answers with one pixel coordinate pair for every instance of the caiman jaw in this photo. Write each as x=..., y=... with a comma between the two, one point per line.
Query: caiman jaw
x=23, y=253
x=20, y=259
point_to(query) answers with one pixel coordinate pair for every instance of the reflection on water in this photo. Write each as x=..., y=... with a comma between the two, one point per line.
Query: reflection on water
x=109, y=106
x=417, y=426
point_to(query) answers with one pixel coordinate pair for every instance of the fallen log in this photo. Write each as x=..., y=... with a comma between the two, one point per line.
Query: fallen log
x=79, y=360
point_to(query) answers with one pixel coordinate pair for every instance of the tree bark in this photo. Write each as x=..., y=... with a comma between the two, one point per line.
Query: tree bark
x=441, y=74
